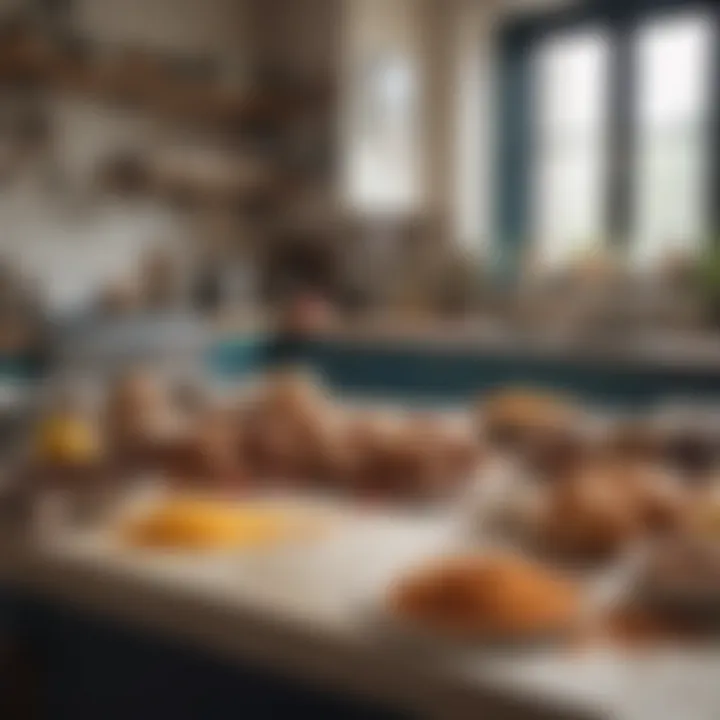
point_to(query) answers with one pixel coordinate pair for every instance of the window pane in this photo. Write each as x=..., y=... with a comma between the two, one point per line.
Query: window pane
x=673, y=63
x=570, y=135
x=382, y=106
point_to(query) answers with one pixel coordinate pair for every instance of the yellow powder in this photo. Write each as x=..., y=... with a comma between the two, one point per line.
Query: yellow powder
x=198, y=524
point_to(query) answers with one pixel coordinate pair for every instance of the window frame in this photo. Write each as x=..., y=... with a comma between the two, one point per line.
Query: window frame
x=619, y=21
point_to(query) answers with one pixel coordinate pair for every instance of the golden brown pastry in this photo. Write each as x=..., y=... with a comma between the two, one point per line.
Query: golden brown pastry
x=635, y=441
x=703, y=516
x=416, y=457
x=329, y=458
x=138, y=419
x=134, y=402
x=463, y=453
x=597, y=512
x=290, y=431
x=390, y=460
x=371, y=442
x=270, y=447
x=205, y=455
x=511, y=417
x=420, y=458
x=681, y=582
x=661, y=501
x=553, y=455
x=588, y=518
x=487, y=597
x=292, y=392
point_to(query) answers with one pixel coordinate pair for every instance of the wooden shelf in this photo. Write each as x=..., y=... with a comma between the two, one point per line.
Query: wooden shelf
x=147, y=82
x=176, y=91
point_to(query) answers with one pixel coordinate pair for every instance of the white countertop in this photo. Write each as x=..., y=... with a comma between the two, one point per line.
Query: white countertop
x=309, y=611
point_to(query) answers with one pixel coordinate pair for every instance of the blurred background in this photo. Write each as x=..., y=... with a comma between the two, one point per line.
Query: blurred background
x=227, y=187
x=534, y=164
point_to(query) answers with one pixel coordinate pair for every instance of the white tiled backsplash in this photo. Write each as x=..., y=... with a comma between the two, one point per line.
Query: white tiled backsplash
x=71, y=254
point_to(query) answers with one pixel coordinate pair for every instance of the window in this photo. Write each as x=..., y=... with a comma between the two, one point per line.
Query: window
x=673, y=58
x=619, y=112
x=570, y=140
x=382, y=133
x=385, y=176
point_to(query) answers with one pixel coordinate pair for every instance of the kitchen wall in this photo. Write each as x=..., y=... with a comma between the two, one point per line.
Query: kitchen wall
x=216, y=29
x=301, y=36
x=210, y=27
x=67, y=242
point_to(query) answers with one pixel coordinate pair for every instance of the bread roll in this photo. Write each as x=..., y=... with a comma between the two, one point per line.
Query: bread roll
x=587, y=518
x=511, y=417
x=205, y=455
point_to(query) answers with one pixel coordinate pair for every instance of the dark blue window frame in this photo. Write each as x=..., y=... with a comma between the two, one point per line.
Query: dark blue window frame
x=619, y=19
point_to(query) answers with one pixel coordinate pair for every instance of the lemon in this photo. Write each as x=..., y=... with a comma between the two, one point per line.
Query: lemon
x=67, y=439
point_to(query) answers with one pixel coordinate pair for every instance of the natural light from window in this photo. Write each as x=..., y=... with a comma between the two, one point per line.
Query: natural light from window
x=673, y=62
x=382, y=173
x=569, y=168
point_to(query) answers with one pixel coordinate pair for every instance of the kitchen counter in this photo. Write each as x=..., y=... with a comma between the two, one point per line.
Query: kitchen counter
x=308, y=613
x=692, y=350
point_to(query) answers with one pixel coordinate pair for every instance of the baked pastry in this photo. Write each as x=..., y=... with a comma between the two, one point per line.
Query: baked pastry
x=511, y=417
x=328, y=458
x=704, y=511
x=139, y=420
x=681, y=582
x=661, y=501
x=421, y=455
x=372, y=439
x=635, y=441
x=269, y=446
x=554, y=454
x=606, y=505
x=293, y=392
x=414, y=457
x=463, y=452
x=291, y=430
x=587, y=518
x=493, y=597
x=134, y=401
x=189, y=396
x=205, y=455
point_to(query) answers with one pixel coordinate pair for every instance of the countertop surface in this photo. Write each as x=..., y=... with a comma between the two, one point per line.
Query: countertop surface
x=697, y=351
x=692, y=349
x=313, y=610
